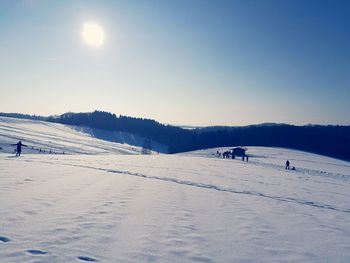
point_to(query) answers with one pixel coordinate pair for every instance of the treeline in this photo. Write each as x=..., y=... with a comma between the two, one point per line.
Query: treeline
x=328, y=140
x=175, y=138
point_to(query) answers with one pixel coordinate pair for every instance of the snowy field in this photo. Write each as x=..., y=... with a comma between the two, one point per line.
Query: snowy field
x=190, y=207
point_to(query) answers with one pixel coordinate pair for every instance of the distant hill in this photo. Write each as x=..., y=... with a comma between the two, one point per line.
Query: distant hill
x=329, y=140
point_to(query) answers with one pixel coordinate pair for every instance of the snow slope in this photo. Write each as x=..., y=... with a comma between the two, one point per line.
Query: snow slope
x=276, y=158
x=121, y=137
x=55, y=137
x=190, y=207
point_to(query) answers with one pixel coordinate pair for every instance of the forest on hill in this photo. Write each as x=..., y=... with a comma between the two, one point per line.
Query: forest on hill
x=329, y=140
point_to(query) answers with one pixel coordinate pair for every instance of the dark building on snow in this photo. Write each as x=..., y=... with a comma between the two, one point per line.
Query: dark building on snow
x=238, y=151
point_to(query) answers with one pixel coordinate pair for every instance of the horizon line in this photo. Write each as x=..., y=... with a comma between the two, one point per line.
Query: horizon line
x=183, y=126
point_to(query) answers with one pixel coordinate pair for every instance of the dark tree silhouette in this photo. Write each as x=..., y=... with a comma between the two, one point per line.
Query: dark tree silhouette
x=147, y=146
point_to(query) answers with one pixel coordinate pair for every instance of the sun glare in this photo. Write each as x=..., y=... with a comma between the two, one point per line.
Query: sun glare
x=93, y=34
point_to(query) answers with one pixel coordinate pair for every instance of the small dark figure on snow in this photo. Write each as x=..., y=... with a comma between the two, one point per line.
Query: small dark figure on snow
x=287, y=165
x=19, y=147
x=247, y=158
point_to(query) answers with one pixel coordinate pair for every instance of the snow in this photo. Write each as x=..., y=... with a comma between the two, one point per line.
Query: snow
x=55, y=137
x=121, y=137
x=190, y=207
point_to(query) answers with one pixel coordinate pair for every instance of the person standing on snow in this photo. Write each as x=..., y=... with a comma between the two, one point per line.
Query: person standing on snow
x=287, y=165
x=19, y=147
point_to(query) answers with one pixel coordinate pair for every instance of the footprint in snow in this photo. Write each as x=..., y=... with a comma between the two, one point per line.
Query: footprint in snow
x=4, y=239
x=83, y=258
x=36, y=252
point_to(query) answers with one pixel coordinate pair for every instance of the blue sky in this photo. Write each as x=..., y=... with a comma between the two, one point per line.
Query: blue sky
x=194, y=62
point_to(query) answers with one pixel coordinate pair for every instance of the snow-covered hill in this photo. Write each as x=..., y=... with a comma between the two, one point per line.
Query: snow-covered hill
x=191, y=207
x=121, y=137
x=56, y=137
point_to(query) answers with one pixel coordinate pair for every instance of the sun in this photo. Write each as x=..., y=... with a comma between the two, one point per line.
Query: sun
x=93, y=34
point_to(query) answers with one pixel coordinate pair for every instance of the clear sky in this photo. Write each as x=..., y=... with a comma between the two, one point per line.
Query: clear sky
x=192, y=62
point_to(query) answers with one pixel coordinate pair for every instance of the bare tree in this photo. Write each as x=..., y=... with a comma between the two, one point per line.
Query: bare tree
x=147, y=146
